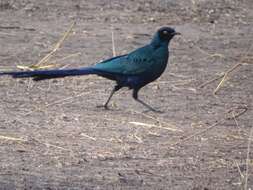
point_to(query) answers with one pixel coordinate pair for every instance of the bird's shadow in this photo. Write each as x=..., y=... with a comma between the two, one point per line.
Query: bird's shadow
x=149, y=109
x=107, y=108
x=154, y=111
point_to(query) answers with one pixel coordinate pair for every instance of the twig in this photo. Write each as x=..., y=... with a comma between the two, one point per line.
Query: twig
x=234, y=115
x=204, y=52
x=85, y=135
x=139, y=139
x=12, y=138
x=248, y=160
x=225, y=75
x=51, y=145
x=157, y=120
x=240, y=171
x=46, y=58
x=66, y=57
x=56, y=47
x=198, y=133
x=58, y=102
x=48, y=144
x=233, y=68
x=152, y=126
x=210, y=81
x=113, y=42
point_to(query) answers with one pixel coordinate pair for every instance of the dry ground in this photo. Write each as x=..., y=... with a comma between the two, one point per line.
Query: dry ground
x=52, y=135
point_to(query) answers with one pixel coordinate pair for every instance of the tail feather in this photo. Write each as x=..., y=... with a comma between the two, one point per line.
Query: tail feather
x=49, y=74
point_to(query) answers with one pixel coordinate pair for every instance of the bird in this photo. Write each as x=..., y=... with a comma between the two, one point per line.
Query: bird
x=133, y=70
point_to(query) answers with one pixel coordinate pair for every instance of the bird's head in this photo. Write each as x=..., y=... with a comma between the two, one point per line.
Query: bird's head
x=163, y=36
x=166, y=33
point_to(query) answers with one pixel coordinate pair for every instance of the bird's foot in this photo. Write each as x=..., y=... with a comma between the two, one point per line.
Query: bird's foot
x=103, y=106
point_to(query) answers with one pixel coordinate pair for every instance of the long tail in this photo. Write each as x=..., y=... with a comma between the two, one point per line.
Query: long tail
x=49, y=74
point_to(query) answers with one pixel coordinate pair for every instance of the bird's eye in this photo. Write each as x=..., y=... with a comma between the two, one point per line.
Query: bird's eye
x=165, y=32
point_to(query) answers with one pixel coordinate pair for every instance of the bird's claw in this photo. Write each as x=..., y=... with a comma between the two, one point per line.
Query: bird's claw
x=103, y=106
x=158, y=111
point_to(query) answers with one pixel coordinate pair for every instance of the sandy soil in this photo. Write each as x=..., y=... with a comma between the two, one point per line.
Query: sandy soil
x=52, y=135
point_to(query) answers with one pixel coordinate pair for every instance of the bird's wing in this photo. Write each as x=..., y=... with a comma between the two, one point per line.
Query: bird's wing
x=133, y=63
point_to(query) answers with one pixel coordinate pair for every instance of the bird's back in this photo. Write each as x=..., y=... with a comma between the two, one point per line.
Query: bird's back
x=147, y=61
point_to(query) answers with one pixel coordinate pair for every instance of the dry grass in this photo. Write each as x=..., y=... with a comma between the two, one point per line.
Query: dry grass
x=231, y=114
x=8, y=138
x=58, y=102
x=224, y=76
x=113, y=42
x=156, y=122
x=147, y=125
x=46, y=62
x=248, y=159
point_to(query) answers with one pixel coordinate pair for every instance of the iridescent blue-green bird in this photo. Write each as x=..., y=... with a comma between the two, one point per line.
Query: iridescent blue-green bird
x=133, y=70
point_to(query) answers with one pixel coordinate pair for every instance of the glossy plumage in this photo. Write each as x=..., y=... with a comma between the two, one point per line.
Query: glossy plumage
x=133, y=70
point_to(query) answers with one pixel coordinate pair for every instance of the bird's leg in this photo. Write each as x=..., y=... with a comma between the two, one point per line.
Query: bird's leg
x=135, y=96
x=115, y=89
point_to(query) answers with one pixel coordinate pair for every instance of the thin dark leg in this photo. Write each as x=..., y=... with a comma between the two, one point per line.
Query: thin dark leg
x=135, y=96
x=115, y=89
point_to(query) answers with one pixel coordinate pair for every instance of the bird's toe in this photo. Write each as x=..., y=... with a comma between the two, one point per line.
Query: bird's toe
x=103, y=106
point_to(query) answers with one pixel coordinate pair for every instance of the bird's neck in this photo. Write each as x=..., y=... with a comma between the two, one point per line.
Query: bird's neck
x=157, y=43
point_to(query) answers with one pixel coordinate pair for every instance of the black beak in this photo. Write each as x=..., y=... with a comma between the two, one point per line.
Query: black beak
x=176, y=33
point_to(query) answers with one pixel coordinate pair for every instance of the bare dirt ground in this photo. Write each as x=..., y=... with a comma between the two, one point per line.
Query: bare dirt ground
x=52, y=135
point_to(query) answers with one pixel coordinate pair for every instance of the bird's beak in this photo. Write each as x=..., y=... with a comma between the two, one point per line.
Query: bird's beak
x=177, y=33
